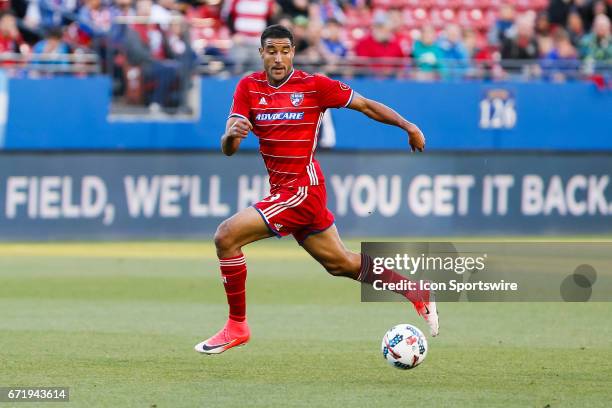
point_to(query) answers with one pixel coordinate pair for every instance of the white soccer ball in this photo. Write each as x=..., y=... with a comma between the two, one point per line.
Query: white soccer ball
x=404, y=346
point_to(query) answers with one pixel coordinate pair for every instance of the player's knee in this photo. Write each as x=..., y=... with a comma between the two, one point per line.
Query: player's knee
x=223, y=237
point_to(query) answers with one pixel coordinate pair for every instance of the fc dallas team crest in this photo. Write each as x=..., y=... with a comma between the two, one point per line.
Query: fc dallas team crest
x=297, y=98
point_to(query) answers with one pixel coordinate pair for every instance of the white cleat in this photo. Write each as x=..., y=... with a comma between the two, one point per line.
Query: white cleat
x=429, y=312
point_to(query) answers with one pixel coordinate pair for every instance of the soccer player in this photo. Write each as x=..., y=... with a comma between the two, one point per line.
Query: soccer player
x=283, y=108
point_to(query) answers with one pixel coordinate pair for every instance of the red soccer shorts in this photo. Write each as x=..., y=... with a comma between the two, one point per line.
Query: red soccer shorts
x=300, y=211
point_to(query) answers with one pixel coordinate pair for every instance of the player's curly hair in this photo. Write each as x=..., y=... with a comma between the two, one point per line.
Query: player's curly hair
x=276, y=31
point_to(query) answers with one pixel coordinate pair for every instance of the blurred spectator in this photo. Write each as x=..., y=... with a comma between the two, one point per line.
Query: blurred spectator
x=47, y=14
x=562, y=60
x=523, y=44
x=333, y=49
x=179, y=49
x=380, y=44
x=95, y=18
x=207, y=13
x=333, y=46
x=286, y=21
x=247, y=19
x=503, y=25
x=146, y=46
x=326, y=31
x=558, y=11
x=314, y=54
x=122, y=8
x=396, y=24
x=324, y=10
x=294, y=8
x=10, y=38
x=597, y=45
x=161, y=12
x=300, y=34
x=179, y=44
x=575, y=28
x=470, y=41
x=542, y=24
x=454, y=52
x=428, y=56
x=150, y=33
x=590, y=9
x=51, y=46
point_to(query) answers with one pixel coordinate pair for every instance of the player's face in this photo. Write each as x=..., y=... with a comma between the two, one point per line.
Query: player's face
x=277, y=55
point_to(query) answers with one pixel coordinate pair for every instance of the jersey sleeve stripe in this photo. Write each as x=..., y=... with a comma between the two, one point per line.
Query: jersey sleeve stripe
x=237, y=115
x=350, y=99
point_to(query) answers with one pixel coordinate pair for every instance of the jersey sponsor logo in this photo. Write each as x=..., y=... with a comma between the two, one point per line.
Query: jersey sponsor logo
x=344, y=86
x=263, y=101
x=297, y=98
x=278, y=226
x=280, y=116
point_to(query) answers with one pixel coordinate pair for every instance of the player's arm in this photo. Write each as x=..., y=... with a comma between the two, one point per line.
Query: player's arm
x=385, y=114
x=236, y=129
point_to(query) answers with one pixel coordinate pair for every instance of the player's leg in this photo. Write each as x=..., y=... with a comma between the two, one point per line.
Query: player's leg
x=329, y=250
x=239, y=230
x=232, y=234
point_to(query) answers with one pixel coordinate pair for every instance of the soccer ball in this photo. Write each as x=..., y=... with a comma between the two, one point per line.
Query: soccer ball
x=404, y=346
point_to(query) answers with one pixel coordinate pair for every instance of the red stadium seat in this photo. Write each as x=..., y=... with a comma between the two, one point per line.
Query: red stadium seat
x=416, y=4
x=358, y=18
x=408, y=18
x=440, y=4
x=449, y=16
x=421, y=17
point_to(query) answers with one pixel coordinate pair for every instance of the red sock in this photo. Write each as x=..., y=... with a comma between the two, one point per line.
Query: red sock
x=234, y=273
x=368, y=276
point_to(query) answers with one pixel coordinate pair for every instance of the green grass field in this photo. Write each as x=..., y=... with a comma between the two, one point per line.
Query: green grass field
x=116, y=322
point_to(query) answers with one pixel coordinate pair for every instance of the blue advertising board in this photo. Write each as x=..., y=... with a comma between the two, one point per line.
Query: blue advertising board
x=73, y=113
x=186, y=195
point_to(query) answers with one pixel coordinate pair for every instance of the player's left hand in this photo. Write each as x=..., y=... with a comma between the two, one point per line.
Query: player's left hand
x=416, y=139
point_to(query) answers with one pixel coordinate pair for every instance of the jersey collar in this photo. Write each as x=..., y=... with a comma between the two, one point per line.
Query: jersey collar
x=282, y=83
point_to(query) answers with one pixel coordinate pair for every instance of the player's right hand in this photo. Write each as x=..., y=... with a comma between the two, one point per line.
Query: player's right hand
x=240, y=128
x=416, y=138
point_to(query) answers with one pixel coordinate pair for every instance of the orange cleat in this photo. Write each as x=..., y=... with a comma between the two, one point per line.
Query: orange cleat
x=429, y=312
x=231, y=335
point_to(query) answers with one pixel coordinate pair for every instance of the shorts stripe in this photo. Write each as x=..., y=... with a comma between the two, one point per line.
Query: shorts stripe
x=268, y=211
x=309, y=174
x=312, y=174
x=276, y=205
x=292, y=205
x=294, y=201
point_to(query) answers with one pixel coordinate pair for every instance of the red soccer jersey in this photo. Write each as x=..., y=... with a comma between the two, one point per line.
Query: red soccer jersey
x=286, y=119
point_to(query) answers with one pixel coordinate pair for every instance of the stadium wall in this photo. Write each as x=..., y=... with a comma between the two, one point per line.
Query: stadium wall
x=186, y=195
x=73, y=113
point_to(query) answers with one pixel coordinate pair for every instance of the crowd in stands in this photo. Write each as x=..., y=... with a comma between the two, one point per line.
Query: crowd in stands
x=438, y=38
